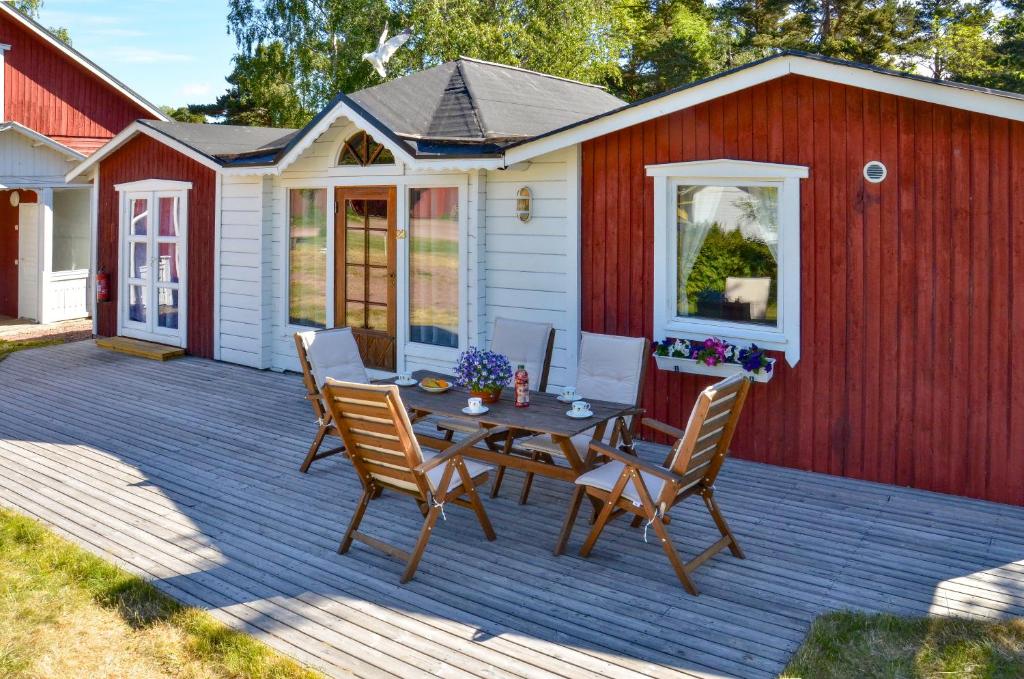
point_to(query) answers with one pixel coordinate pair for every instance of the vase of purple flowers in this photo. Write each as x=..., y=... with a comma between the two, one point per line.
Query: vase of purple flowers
x=484, y=373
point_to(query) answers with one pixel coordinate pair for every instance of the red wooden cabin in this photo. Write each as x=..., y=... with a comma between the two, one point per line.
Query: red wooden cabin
x=56, y=109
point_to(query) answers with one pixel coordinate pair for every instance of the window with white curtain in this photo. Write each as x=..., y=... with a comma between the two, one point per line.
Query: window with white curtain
x=727, y=252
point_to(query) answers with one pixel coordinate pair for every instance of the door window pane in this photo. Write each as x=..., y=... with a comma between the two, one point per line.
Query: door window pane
x=355, y=315
x=139, y=256
x=377, y=318
x=355, y=283
x=169, y=215
x=169, y=264
x=307, y=257
x=140, y=216
x=434, y=266
x=728, y=243
x=137, y=303
x=378, y=252
x=355, y=246
x=167, y=308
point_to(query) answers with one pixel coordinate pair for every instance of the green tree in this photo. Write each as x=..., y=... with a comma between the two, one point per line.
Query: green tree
x=667, y=43
x=30, y=8
x=953, y=40
x=1008, y=49
x=183, y=114
x=262, y=92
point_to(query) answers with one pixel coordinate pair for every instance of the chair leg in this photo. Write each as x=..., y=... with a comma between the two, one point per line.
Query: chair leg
x=723, y=527
x=606, y=512
x=313, y=449
x=570, y=519
x=421, y=544
x=481, y=513
x=637, y=521
x=357, y=518
x=499, y=475
x=673, y=556
x=524, y=493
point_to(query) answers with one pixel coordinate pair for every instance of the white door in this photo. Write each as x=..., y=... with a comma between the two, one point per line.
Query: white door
x=153, y=262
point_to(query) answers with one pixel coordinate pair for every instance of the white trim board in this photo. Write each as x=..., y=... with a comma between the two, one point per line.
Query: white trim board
x=3, y=49
x=154, y=185
x=79, y=59
x=944, y=94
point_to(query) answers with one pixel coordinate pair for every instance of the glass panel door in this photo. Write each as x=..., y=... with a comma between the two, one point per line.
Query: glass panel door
x=154, y=267
x=365, y=278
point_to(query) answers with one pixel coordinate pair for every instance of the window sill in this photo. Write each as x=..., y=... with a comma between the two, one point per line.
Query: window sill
x=689, y=365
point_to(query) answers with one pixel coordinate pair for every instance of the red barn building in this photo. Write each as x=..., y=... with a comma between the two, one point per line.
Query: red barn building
x=56, y=109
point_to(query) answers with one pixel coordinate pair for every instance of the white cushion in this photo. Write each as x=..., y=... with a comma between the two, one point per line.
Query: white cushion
x=522, y=342
x=610, y=367
x=581, y=442
x=607, y=475
x=335, y=354
x=435, y=475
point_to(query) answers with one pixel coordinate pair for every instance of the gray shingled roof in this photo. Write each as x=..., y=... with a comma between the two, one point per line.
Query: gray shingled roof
x=229, y=145
x=471, y=101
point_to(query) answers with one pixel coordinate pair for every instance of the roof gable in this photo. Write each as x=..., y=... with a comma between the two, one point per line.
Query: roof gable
x=66, y=51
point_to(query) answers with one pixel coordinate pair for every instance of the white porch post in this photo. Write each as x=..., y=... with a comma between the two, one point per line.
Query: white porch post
x=45, y=253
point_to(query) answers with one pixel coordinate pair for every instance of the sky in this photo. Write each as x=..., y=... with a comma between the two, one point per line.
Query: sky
x=172, y=52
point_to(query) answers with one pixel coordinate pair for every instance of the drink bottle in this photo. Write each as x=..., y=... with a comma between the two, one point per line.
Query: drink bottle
x=522, y=382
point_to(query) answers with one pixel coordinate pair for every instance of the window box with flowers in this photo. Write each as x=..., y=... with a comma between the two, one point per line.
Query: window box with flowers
x=713, y=356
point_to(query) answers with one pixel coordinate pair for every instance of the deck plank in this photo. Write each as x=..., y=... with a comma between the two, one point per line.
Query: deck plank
x=185, y=473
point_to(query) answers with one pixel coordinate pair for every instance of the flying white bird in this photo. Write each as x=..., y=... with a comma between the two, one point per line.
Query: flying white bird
x=386, y=49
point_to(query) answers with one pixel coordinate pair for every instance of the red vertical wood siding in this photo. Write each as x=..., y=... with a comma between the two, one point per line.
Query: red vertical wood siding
x=908, y=374
x=52, y=94
x=144, y=158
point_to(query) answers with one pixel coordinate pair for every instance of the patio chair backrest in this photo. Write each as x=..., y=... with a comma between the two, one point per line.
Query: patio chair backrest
x=753, y=291
x=528, y=343
x=333, y=353
x=377, y=433
x=699, y=454
x=611, y=368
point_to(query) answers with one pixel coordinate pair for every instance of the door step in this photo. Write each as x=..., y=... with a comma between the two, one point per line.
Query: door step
x=134, y=347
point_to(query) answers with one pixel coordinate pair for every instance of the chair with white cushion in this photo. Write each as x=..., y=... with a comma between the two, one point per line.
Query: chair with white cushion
x=388, y=455
x=629, y=485
x=610, y=368
x=752, y=291
x=323, y=354
x=521, y=342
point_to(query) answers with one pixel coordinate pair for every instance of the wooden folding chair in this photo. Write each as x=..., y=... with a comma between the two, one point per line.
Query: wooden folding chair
x=628, y=485
x=611, y=368
x=388, y=454
x=339, y=359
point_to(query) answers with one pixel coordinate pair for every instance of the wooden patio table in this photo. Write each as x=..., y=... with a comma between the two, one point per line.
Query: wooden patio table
x=545, y=415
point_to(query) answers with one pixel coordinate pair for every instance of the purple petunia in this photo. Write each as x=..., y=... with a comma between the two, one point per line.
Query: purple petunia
x=482, y=370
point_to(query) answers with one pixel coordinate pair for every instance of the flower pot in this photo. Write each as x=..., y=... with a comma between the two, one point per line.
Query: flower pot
x=487, y=396
x=689, y=365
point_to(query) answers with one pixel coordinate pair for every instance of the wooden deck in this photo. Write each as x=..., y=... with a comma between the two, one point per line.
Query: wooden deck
x=186, y=472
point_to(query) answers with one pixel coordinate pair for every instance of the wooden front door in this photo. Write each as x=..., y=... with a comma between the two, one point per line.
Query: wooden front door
x=8, y=256
x=365, y=279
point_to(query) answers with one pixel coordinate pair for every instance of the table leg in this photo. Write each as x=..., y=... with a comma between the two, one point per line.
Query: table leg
x=578, y=465
x=506, y=449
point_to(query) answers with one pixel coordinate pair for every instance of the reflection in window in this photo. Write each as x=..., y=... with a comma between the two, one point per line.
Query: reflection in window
x=307, y=257
x=728, y=244
x=434, y=266
x=70, y=230
x=361, y=149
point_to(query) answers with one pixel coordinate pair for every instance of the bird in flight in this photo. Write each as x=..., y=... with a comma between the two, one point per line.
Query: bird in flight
x=386, y=49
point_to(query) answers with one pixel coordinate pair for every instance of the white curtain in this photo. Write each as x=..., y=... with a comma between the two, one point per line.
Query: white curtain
x=694, y=228
x=762, y=211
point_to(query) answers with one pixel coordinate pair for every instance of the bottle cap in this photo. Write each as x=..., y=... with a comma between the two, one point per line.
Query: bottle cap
x=521, y=367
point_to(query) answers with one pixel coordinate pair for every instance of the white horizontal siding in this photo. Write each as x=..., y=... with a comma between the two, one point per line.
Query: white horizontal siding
x=527, y=265
x=241, y=219
x=21, y=165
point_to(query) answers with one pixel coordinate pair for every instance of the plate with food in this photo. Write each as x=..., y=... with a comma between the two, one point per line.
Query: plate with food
x=435, y=385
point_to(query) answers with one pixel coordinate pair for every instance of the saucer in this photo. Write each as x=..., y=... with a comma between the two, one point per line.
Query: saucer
x=568, y=400
x=579, y=416
x=483, y=409
x=406, y=383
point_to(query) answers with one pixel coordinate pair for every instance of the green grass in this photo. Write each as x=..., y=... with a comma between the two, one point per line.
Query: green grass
x=845, y=644
x=8, y=347
x=67, y=613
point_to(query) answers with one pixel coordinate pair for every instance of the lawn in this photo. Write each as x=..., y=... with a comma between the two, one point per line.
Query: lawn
x=66, y=613
x=844, y=644
x=8, y=347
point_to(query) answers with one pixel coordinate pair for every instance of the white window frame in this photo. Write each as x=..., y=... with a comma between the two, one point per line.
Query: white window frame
x=667, y=178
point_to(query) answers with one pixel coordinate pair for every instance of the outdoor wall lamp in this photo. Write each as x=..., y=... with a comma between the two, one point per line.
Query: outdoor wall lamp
x=524, y=204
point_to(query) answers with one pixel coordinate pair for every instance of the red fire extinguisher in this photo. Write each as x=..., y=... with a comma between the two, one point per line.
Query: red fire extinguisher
x=102, y=286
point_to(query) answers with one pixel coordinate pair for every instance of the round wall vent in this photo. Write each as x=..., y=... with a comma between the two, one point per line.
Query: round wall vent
x=875, y=172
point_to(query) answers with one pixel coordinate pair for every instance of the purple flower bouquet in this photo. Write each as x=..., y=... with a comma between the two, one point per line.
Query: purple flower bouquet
x=484, y=373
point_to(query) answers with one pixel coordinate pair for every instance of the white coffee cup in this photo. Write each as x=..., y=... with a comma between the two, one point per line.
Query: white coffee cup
x=476, y=404
x=404, y=377
x=568, y=393
x=580, y=408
